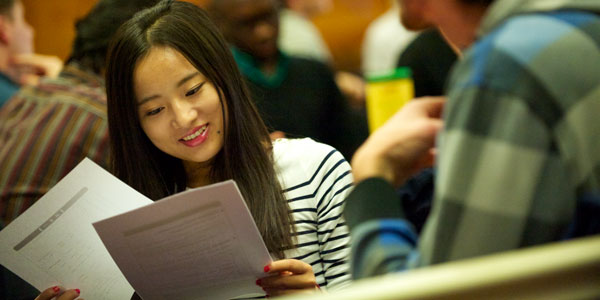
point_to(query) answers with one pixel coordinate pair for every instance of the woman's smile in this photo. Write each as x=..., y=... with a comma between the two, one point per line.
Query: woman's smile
x=197, y=136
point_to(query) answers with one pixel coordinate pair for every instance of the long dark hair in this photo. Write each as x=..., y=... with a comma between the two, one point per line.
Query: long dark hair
x=245, y=156
x=6, y=7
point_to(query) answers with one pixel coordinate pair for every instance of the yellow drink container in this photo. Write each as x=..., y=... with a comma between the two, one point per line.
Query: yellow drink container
x=386, y=94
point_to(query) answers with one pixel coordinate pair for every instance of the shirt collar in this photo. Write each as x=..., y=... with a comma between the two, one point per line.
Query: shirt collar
x=500, y=10
x=251, y=69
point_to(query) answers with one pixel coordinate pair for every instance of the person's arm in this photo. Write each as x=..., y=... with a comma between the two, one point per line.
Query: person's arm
x=383, y=241
x=332, y=256
x=332, y=231
x=353, y=87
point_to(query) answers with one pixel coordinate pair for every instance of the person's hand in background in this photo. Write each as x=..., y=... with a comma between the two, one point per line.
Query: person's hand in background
x=26, y=69
x=403, y=145
x=353, y=87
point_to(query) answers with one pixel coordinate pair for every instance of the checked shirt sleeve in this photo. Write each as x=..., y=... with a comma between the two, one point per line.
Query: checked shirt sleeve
x=382, y=240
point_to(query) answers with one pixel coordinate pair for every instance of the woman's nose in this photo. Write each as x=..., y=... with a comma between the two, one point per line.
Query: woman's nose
x=183, y=114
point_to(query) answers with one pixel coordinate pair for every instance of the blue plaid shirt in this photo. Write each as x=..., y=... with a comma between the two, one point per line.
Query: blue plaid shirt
x=520, y=144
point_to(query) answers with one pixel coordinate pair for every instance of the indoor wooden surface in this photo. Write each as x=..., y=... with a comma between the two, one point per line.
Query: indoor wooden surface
x=54, y=23
x=342, y=28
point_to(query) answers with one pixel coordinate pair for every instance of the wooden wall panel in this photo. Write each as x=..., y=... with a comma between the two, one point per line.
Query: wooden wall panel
x=54, y=23
x=343, y=29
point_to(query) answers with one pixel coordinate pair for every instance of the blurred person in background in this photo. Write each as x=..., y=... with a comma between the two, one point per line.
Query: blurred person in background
x=388, y=45
x=518, y=150
x=296, y=96
x=430, y=58
x=298, y=36
x=47, y=129
x=385, y=40
x=18, y=64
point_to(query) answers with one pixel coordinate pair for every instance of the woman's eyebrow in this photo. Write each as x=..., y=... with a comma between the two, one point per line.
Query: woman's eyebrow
x=148, y=99
x=186, y=78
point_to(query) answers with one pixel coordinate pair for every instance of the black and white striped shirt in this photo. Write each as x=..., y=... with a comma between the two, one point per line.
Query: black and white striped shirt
x=316, y=180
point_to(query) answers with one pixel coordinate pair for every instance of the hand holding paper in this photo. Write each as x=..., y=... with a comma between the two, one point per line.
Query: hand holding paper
x=288, y=276
x=199, y=244
x=51, y=293
x=54, y=243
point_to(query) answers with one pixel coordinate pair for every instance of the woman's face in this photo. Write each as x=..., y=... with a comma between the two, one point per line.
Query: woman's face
x=179, y=109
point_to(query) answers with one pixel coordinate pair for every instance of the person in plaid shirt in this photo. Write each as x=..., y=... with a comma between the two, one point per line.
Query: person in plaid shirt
x=519, y=145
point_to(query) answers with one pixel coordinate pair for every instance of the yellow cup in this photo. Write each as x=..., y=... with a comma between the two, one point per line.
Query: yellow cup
x=386, y=94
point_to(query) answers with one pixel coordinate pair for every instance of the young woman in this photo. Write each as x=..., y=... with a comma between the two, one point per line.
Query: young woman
x=180, y=117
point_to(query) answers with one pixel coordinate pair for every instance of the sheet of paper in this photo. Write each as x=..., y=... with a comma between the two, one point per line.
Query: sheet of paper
x=199, y=244
x=54, y=242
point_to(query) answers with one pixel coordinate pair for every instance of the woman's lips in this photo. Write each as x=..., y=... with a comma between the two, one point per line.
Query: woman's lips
x=196, y=136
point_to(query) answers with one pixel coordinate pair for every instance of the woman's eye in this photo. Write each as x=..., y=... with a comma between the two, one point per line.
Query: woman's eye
x=154, y=111
x=194, y=90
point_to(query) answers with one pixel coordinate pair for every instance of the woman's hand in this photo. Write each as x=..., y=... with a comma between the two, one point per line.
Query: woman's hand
x=55, y=291
x=288, y=276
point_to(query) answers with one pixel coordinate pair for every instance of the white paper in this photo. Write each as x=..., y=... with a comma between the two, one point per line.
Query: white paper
x=54, y=242
x=199, y=244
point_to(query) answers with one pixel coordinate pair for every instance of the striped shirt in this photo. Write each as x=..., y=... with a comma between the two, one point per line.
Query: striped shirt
x=45, y=131
x=316, y=180
x=521, y=142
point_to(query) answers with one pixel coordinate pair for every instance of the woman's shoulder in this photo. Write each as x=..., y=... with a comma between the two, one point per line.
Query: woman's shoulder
x=296, y=158
x=305, y=148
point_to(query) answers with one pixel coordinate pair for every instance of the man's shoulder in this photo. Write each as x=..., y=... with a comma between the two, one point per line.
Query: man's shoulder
x=526, y=36
x=305, y=151
x=66, y=90
x=299, y=161
x=533, y=53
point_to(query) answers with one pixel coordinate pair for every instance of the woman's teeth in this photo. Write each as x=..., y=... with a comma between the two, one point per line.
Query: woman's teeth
x=195, y=134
